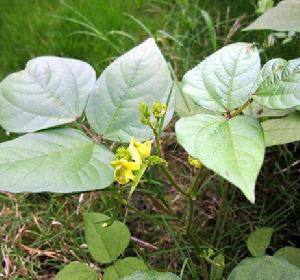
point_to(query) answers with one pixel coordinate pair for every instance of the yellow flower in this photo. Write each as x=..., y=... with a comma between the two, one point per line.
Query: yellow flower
x=138, y=150
x=194, y=162
x=123, y=170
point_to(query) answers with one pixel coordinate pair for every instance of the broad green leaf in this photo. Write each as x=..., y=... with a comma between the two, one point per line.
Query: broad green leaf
x=279, y=84
x=232, y=148
x=224, y=80
x=105, y=243
x=282, y=131
x=77, y=271
x=259, y=240
x=124, y=267
x=50, y=91
x=291, y=254
x=141, y=74
x=283, y=17
x=265, y=268
x=59, y=160
x=186, y=107
x=151, y=275
x=256, y=110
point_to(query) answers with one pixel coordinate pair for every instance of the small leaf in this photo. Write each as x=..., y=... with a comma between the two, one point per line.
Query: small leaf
x=60, y=160
x=282, y=131
x=224, y=80
x=259, y=240
x=283, y=17
x=232, y=148
x=77, y=271
x=264, y=5
x=124, y=267
x=141, y=74
x=49, y=92
x=151, y=275
x=279, y=84
x=106, y=241
x=217, y=267
x=265, y=268
x=291, y=254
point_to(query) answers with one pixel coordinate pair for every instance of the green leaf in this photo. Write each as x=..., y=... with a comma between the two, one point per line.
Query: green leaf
x=186, y=107
x=259, y=240
x=232, y=148
x=59, y=160
x=151, y=275
x=256, y=110
x=283, y=17
x=49, y=92
x=224, y=80
x=124, y=267
x=105, y=243
x=291, y=254
x=77, y=271
x=265, y=268
x=264, y=5
x=279, y=84
x=141, y=74
x=283, y=130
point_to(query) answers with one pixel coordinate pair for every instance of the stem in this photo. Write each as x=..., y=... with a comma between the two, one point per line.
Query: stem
x=198, y=182
x=173, y=182
x=190, y=214
x=90, y=133
x=160, y=206
x=163, y=167
x=241, y=109
x=143, y=243
x=220, y=212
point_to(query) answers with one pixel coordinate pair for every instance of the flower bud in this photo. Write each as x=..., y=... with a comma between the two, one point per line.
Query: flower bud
x=159, y=109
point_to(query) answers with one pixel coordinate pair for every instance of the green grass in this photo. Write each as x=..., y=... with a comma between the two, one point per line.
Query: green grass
x=33, y=28
x=42, y=232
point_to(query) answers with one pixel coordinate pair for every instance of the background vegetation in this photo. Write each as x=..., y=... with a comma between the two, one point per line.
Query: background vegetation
x=41, y=232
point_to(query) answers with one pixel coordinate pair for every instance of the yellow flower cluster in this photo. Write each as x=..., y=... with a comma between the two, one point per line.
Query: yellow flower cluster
x=130, y=160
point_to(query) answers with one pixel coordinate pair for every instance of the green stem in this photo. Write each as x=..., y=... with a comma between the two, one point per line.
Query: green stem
x=220, y=212
x=164, y=168
x=241, y=109
x=172, y=181
x=190, y=214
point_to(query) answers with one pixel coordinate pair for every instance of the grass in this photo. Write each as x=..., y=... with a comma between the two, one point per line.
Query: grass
x=42, y=232
x=33, y=28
